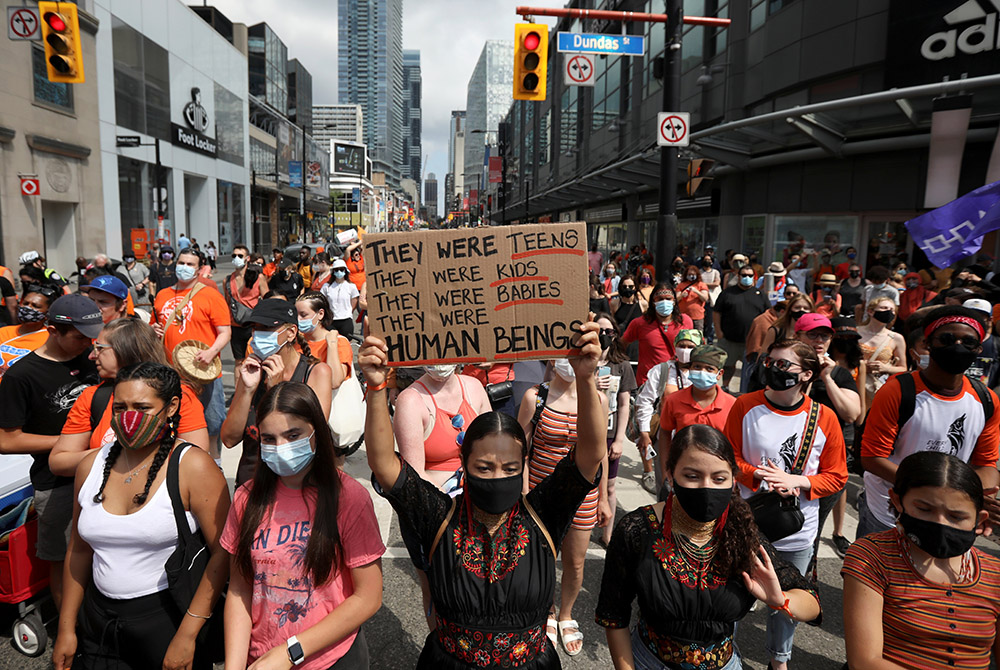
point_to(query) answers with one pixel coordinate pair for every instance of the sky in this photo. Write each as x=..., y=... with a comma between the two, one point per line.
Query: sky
x=449, y=34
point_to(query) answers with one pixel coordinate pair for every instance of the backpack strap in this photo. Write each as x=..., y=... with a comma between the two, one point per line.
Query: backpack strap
x=173, y=482
x=541, y=395
x=538, y=522
x=907, y=398
x=661, y=386
x=441, y=529
x=99, y=402
x=985, y=397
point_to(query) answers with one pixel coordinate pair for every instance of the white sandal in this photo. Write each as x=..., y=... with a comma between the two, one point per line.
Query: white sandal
x=570, y=637
x=551, y=623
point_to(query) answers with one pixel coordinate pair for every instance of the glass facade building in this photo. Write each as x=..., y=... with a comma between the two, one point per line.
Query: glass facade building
x=412, y=116
x=266, y=60
x=489, y=97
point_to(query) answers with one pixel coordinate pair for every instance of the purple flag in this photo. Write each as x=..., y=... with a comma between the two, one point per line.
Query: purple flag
x=953, y=231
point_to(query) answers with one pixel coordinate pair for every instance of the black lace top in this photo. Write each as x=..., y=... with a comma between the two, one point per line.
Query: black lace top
x=678, y=598
x=503, y=583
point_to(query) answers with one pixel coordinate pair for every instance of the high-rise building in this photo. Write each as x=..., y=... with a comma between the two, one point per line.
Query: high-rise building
x=454, y=180
x=489, y=97
x=267, y=60
x=412, y=118
x=300, y=95
x=370, y=74
x=337, y=122
x=431, y=195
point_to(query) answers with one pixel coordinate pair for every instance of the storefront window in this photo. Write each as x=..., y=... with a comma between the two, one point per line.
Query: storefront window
x=136, y=198
x=754, y=228
x=229, y=117
x=805, y=234
x=230, y=216
x=610, y=237
x=695, y=234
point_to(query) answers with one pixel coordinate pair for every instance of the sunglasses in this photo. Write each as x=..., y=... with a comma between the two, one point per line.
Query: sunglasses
x=458, y=421
x=948, y=339
x=239, y=255
x=778, y=364
x=47, y=291
x=610, y=332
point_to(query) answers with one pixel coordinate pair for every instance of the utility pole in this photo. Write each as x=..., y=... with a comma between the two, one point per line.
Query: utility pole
x=302, y=211
x=667, y=229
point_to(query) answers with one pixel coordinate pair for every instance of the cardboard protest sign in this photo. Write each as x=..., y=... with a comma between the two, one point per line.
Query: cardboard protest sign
x=477, y=295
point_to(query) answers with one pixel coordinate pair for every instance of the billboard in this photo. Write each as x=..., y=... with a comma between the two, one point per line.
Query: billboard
x=347, y=158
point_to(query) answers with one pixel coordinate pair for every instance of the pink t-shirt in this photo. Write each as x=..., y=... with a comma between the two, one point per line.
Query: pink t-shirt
x=284, y=601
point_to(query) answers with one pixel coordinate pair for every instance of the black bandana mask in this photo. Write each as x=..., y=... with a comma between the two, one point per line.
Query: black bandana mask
x=780, y=380
x=494, y=496
x=703, y=504
x=938, y=540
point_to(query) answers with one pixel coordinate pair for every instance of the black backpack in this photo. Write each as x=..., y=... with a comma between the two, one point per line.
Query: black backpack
x=99, y=402
x=907, y=405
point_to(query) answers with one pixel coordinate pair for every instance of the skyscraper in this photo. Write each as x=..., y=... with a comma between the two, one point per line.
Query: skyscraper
x=489, y=98
x=431, y=195
x=370, y=74
x=267, y=60
x=454, y=180
x=337, y=122
x=412, y=116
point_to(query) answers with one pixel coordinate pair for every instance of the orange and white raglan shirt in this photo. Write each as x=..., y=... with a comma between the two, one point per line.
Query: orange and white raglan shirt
x=761, y=433
x=952, y=425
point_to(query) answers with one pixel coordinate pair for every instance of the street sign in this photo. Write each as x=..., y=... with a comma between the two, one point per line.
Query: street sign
x=128, y=141
x=673, y=129
x=578, y=70
x=30, y=186
x=592, y=43
x=22, y=23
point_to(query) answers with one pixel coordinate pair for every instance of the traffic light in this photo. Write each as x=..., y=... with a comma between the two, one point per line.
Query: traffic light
x=61, y=35
x=697, y=174
x=531, y=60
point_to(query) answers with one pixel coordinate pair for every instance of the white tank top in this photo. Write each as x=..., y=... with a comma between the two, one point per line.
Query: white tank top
x=130, y=550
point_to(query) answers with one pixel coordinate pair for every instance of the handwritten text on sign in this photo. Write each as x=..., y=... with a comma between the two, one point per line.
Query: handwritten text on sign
x=476, y=295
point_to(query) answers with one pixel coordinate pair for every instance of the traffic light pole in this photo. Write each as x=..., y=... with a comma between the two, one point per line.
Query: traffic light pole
x=666, y=237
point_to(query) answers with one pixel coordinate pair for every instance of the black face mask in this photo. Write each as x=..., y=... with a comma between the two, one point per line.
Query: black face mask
x=796, y=315
x=780, y=380
x=703, y=504
x=936, y=539
x=605, y=340
x=884, y=316
x=953, y=359
x=626, y=291
x=855, y=274
x=494, y=496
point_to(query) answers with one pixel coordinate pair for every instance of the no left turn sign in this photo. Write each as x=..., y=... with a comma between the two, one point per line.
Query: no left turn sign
x=578, y=70
x=672, y=129
x=22, y=23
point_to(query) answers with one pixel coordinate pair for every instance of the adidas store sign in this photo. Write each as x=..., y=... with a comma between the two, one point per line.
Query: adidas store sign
x=973, y=30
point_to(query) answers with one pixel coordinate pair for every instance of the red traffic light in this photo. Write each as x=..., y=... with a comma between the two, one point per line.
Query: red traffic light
x=55, y=21
x=532, y=40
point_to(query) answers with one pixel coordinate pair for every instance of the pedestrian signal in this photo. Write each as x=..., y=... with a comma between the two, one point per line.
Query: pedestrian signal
x=697, y=174
x=61, y=38
x=531, y=60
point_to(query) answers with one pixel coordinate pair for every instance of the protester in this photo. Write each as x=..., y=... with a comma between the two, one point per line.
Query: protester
x=162, y=274
x=696, y=564
x=211, y=253
x=902, y=584
x=851, y=291
x=285, y=283
x=692, y=296
x=33, y=259
x=732, y=274
x=656, y=330
x=36, y=395
x=610, y=279
x=303, y=267
x=759, y=329
x=110, y=295
x=628, y=307
x=825, y=297
x=121, y=344
x=507, y=590
x=273, y=359
x=598, y=300
x=136, y=276
x=325, y=344
x=734, y=313
x=947, y=411
x=773, y=283
x=355, y=260
x=18, y=341
x=644, y=279
x=914, y=296
x=321, y=271
x=797, y=306
x=878, y=284
x=272, y=266
x=986, y=367
x=594, y=260
x=343, y=298
x=8, y=303
x=242, y=289
x=300, y=602
x=117, y=604
x=780, y=440
x=884, y=350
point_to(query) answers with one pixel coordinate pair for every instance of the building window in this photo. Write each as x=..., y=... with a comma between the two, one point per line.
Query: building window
x=228, y=125
x=607, y=88
x=47, y=92
x=568, y=120
x=142, y=82
x=230, y=215
x=761, y=9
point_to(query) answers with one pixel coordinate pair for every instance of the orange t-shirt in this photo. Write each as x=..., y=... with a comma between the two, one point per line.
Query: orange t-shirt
x=691, y=304
x=344, y=350
x=270, y=269
x=15, y=344
x=205, y=312
x=357, y=270
x=78, y=419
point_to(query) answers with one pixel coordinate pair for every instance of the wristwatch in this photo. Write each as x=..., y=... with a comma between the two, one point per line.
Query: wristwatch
x=295, y=653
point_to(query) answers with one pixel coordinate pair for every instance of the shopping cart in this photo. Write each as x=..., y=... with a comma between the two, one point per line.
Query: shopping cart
x=23, y=576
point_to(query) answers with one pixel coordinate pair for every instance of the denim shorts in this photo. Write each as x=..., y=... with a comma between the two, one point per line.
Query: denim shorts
x=213, y=399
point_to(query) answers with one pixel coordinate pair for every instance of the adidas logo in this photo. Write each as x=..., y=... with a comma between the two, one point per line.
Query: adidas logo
x=974, y=39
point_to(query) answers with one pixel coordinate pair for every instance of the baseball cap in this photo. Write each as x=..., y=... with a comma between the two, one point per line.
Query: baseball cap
x=690, y=335
x=285, y=262
x=109, y=284
x=844, y=326
x=812, y=321
x=78, y=311
x=979, y=305
x=273, y=312
x=709, y=354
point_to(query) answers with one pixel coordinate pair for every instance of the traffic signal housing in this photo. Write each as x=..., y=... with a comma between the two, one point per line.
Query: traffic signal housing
x=697, y=174
x=531, y=60
x=61, y=38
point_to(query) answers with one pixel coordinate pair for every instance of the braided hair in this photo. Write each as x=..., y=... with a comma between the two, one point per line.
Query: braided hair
x=166, y=383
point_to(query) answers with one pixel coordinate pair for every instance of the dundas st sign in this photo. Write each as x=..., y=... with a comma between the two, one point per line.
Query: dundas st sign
x=193, y=136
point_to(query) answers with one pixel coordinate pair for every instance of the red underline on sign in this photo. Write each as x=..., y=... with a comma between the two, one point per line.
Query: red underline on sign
x=508, y=280
x=546, y=252
x=530, y=301
x=558, y=353
x=436, y=361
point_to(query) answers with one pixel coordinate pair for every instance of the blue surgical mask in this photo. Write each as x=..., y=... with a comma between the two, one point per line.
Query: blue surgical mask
x=264, y=343
x=746, y=281
x=289, y=458
x=306, y=325
x=339, y=274
x=703, y=379
x=664, y=307
x=184, y=272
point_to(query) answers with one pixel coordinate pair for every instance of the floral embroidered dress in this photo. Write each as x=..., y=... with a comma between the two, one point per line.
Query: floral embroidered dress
x=687, y=610
x=491, y=595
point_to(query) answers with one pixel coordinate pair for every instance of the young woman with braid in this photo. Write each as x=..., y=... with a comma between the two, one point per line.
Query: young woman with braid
x=272, y=359
x=116, y=606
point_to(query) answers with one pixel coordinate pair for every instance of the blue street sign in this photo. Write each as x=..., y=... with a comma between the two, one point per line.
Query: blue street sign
x=295, y=174
x=591, y=43
x=355, y=194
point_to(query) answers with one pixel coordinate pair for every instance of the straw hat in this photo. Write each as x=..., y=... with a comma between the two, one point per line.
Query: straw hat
x=827, y=280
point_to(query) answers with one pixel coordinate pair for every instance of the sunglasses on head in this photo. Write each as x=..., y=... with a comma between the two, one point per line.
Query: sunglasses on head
x=47, y=291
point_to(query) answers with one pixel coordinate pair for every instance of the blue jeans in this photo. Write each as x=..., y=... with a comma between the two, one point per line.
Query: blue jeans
x=213, y=399
x=647, y=660
x=781, y=629
x=867, y=523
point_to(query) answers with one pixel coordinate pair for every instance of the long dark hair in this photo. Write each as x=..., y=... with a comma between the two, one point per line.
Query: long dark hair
x=317, y=301
x=617, y=353
x=650, y=314
x=166, y=383
x=323, y=548
x=493, y=423
x=739, y=542
x=934, y=468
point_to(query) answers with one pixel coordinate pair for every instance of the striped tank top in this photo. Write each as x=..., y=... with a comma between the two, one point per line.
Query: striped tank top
x=553, y=438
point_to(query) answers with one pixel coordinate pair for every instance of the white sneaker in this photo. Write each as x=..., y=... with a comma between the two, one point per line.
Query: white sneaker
x=649, y=481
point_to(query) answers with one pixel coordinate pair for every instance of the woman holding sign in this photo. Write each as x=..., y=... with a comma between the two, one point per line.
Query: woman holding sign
x=491, y=550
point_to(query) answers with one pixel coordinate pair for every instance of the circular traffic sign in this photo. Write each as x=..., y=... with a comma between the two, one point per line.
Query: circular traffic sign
x=29, y=187
x=673, y=129
x=24, y=23
x=580, y=69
